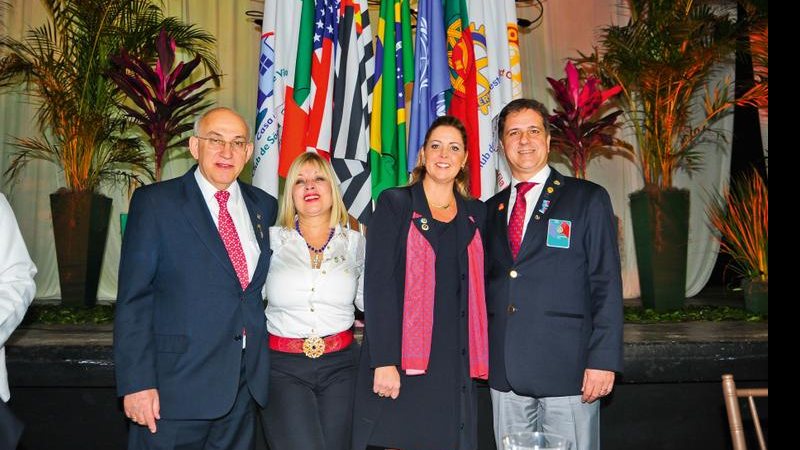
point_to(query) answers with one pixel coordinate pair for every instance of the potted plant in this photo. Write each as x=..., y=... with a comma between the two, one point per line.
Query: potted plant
x=63, y=64
x=740, y=217
x=156, y=102
x=663, y=59
x=161, y=108
x=579, y=132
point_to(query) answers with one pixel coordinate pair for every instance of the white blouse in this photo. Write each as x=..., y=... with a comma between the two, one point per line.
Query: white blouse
x=302, y=301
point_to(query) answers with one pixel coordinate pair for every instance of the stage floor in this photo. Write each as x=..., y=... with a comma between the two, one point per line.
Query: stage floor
x=62, y=384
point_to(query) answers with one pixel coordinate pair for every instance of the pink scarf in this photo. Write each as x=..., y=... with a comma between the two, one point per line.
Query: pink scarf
x=418, y=305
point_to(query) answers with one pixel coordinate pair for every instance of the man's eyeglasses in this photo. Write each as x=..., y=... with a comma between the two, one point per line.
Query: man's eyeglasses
x=217, y=144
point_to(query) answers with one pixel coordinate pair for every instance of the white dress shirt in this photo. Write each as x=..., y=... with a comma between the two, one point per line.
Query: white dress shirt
x=302, y=301
x=531, y=197
x=241, y=218
x=17, y=287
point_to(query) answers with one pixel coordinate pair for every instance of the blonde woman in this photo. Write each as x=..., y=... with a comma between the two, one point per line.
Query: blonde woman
x=313, y=288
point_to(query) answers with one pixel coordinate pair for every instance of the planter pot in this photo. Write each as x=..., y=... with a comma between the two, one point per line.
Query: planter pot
x=661, y=235
x=756, y=296
x=80, y=226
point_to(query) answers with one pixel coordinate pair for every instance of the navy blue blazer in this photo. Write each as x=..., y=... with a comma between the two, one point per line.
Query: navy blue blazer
x=180, y=308
x=384, y=288
x=557, y=309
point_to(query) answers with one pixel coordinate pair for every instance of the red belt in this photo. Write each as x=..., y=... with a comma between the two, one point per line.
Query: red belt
x=314, y=346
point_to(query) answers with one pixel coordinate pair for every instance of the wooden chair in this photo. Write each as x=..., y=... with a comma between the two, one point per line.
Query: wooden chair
x=732, y=395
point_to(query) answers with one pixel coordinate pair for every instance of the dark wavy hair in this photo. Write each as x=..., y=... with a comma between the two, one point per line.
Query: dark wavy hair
x=462, y=179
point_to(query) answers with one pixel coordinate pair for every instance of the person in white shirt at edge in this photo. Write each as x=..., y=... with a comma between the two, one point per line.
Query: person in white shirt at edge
x=17, y=289
x=313, y=286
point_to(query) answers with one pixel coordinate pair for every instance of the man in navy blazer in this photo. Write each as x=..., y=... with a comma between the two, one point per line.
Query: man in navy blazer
x=190, y=336
x=554, y=307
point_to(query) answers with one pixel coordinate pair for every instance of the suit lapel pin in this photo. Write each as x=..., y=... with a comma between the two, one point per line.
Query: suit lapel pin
x=422, y=220
x=424, y=226
x=501, y=207
x=557, y=183
x=550, y=189
x=545, y=205
x=260, y=231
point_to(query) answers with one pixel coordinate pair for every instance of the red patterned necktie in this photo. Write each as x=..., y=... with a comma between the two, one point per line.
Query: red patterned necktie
x=517, y=221
x=230, y=238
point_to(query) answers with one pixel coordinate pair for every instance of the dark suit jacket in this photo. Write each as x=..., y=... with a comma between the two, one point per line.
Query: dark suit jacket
x=554, y=311
x=180, y=308
x=384, y=284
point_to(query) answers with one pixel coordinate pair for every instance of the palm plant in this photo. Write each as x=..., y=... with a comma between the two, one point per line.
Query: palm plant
x=663, y=59
x=162, y=109
x=741, y=217
x=63, y=65
x=576, y=131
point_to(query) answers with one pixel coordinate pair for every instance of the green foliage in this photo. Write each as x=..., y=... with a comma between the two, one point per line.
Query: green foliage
x=62, y=65
x=705, y=313
x=69, y=315
x=665, y=59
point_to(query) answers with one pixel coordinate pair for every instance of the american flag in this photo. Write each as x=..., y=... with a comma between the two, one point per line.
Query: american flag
x=320, y=119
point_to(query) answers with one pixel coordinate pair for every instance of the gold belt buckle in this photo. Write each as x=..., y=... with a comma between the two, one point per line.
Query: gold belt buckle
x=313, y=346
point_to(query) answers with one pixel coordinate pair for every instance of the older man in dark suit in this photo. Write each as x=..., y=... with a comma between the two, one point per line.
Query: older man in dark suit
x=554, y=290
x=190, y=335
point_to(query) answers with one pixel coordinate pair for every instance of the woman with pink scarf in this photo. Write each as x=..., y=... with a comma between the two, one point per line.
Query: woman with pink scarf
x=425, y=339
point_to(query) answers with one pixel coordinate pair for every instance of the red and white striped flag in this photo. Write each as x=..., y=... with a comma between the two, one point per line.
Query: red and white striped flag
x=307, y=122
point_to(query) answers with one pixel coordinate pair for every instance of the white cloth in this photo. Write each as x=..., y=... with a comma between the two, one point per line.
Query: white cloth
x=531, y=197
x=17, y=287
x=302, y=301
x=241, y=218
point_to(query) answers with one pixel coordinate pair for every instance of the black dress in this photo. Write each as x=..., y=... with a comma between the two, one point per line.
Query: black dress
x=437, y=410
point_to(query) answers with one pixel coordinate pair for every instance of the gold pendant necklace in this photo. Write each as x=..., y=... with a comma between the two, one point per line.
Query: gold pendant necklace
x=440, y=206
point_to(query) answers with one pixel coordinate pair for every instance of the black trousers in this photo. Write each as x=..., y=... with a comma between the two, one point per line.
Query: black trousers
x=310, y=404
x=10, y=427
x=233, y=431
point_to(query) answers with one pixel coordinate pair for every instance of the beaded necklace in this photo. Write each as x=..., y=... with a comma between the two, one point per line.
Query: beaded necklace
x=316, y=258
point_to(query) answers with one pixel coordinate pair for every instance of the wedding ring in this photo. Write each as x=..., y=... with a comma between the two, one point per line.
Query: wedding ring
x=380, y=394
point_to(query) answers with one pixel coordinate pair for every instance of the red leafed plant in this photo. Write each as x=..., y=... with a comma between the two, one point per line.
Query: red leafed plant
x=162, y=109
x=576, y=132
